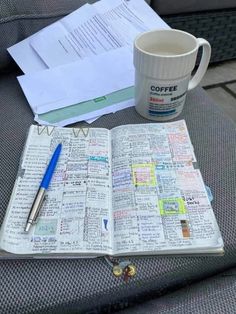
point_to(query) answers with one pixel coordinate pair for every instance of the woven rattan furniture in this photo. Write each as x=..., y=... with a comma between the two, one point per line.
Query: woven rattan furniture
x=212, y=20
x=218, y=27
x=88, y=285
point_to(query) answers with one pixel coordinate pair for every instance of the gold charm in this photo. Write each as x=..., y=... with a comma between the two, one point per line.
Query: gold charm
x=131, y=270
x=117, y=271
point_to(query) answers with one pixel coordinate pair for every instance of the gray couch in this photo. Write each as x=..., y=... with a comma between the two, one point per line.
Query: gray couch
x=200, y=284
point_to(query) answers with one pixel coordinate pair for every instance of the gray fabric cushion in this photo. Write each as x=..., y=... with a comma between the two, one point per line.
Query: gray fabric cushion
x=214, y=295
x=20, y=19
x=164, y=7
x=39, y=285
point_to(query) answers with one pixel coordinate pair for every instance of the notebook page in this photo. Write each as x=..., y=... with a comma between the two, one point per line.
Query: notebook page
x=75, y=216
x=160, y=202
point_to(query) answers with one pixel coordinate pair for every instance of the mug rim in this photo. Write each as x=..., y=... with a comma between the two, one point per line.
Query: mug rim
x=167, y=31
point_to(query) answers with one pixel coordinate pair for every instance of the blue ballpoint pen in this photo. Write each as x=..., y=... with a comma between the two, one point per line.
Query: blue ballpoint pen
x=42, y=189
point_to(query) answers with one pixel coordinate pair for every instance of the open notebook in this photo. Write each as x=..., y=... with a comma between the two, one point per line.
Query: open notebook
x=132, y=190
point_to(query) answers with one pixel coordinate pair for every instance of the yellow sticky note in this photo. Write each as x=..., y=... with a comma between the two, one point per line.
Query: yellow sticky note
x=144, y=174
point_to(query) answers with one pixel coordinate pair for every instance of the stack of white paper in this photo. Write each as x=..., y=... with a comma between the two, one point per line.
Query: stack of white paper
x=84, y=59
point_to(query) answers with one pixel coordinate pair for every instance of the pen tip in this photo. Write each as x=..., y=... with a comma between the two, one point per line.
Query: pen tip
x=27, y=227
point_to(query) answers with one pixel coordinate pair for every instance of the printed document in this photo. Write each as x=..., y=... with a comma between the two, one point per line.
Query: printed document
x=88, y=32
x=26, y=57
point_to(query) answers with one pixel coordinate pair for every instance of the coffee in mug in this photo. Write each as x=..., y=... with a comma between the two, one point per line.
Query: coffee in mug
x=164, y=60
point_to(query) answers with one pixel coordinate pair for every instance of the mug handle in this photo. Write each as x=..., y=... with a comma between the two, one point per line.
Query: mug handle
x=206, y=54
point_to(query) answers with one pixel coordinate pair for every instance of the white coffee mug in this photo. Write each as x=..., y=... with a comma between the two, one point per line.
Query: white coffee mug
x=164, y=60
